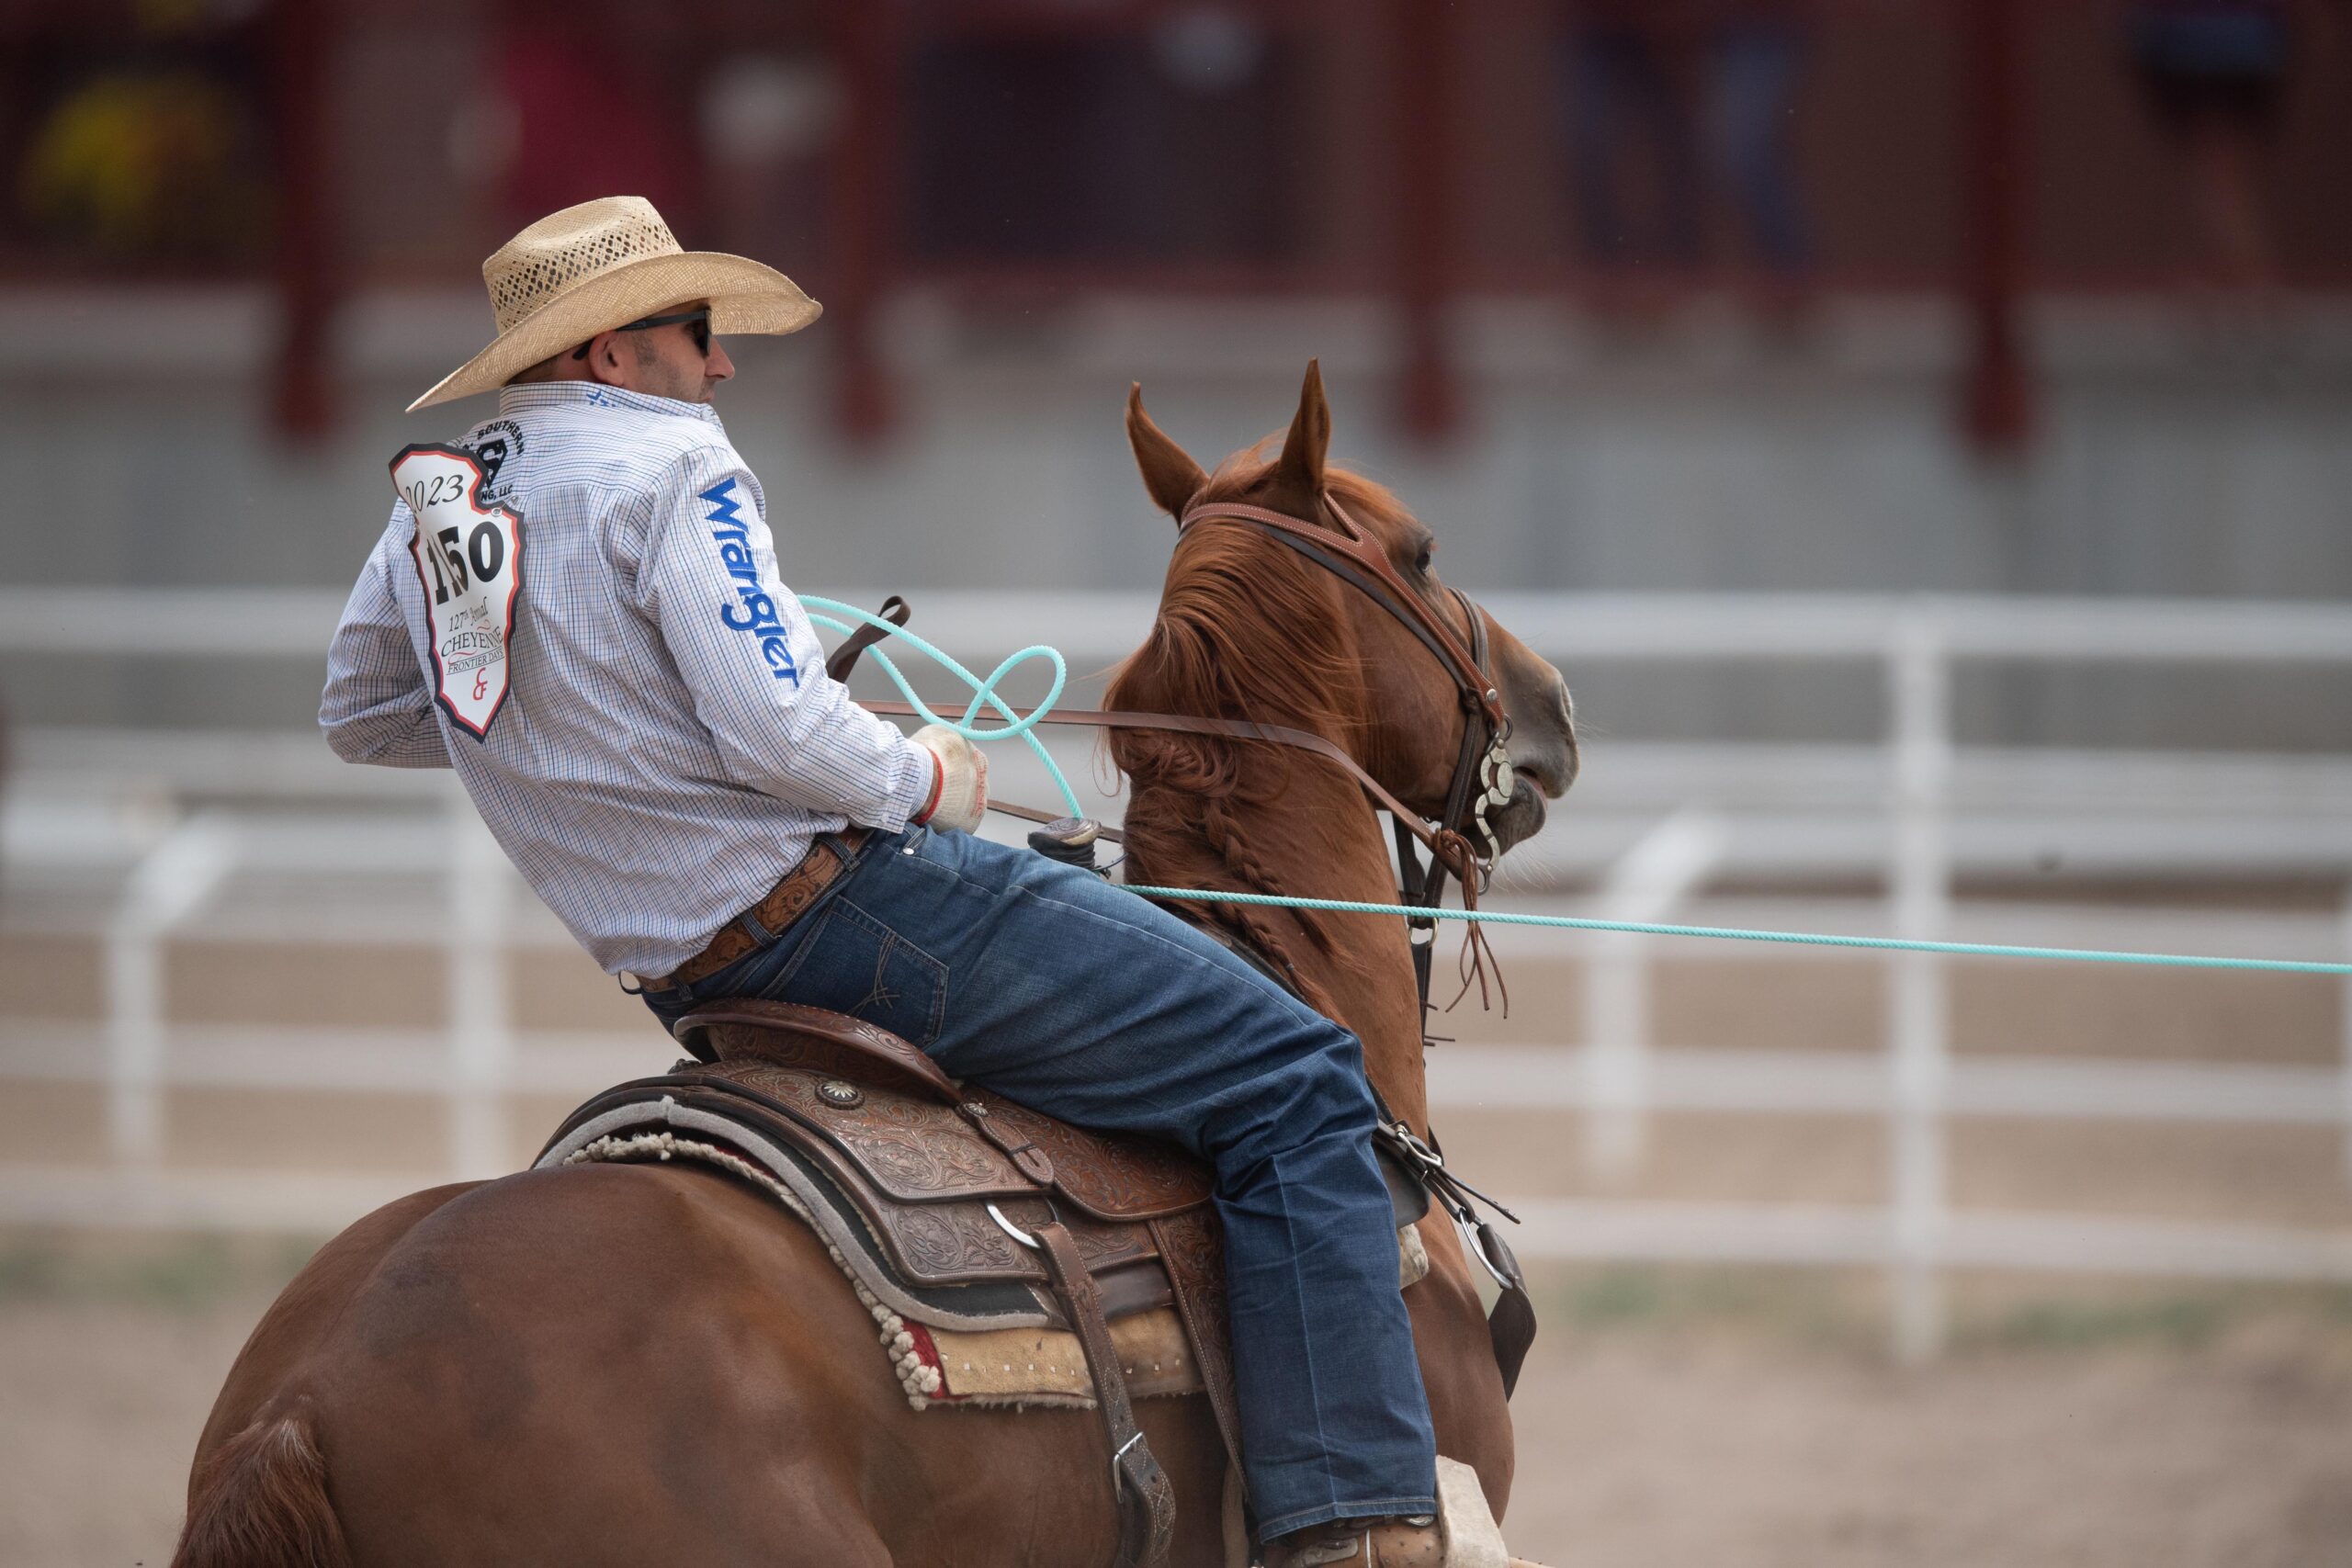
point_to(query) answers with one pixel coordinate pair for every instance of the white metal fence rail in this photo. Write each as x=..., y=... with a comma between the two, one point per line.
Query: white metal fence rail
x=1909, y=813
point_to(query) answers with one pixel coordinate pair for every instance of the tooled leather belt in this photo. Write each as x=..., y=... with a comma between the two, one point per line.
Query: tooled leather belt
x=786, y=902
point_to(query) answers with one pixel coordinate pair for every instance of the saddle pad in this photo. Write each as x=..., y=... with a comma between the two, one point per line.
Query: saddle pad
x=1047, y=1366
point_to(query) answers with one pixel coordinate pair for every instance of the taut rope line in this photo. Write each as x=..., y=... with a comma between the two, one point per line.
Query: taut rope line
x=1741, y=933
x=826, y=612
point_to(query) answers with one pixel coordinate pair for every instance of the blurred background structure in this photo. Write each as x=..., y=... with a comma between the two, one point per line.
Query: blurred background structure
x=1921, y=429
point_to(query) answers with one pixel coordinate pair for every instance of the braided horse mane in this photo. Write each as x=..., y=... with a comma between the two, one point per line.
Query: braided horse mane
x=1247, y=629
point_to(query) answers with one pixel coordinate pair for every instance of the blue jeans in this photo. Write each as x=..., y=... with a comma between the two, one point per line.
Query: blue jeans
x=1075, y=998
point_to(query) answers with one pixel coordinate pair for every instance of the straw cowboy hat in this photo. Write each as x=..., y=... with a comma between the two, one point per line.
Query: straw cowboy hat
x=602, y=264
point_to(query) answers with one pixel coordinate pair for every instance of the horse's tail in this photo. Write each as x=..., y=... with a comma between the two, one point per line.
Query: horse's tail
x=261, y=1502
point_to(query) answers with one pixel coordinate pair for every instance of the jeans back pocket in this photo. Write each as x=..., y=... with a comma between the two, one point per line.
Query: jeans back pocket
x=854, y=963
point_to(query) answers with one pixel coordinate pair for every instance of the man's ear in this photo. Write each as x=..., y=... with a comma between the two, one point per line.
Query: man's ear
x=1169, y=475
x=1294, y=484
x=606, y=360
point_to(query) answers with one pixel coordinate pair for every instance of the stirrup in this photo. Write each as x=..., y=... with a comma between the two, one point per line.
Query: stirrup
x=1413, y=1542
x=1462, y=1534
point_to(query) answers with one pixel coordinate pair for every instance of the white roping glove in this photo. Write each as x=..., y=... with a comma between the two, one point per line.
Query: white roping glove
x=959, y=791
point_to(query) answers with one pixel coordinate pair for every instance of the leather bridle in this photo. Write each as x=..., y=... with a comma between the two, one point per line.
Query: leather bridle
x=1482, y=772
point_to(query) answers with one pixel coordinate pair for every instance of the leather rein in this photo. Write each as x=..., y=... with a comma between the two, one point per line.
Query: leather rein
x=1482, y=774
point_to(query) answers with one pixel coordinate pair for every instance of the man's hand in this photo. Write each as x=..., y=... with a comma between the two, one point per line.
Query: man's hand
x=959, y=791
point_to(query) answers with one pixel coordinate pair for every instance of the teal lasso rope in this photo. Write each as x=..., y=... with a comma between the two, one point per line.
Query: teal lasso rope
x=1739, y=933
x=826, y=612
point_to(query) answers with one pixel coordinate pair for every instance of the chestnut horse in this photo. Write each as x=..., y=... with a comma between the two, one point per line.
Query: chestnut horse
x=648, y=1363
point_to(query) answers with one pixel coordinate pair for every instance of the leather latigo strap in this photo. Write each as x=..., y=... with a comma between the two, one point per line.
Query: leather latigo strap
x=1146, y=1503
x=894, y=610
x=1017, y=1146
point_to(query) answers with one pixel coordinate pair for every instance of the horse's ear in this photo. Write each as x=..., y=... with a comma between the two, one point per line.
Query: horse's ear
x=1295, y=483
x=1169, y=475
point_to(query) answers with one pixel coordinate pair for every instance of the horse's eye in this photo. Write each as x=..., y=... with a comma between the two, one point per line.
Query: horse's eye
x=1421, y=561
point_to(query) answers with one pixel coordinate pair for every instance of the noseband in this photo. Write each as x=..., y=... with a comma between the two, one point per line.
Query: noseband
x=1482, y=772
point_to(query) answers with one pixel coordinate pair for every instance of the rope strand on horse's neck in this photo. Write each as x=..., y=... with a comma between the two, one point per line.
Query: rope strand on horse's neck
x=1181, y=822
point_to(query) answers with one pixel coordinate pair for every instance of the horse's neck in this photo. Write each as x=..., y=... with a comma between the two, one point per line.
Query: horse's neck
x=1316, y=838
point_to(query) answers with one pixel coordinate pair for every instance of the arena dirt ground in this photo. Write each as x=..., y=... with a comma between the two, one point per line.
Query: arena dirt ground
x=1729, y=1419
x=1710, y=1418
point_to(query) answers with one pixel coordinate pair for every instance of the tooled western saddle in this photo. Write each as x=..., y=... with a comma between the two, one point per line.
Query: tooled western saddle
x=963, y=1220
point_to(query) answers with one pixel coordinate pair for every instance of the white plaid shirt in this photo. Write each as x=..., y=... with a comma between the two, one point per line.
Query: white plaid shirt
x=666, y=751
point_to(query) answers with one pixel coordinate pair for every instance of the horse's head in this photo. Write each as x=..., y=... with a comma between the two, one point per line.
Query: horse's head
x=1252, y=627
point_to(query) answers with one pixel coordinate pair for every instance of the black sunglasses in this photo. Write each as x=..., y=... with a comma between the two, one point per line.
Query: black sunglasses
x=698, y=323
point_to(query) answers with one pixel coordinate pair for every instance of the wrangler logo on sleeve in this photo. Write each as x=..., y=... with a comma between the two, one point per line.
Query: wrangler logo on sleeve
x=469, y=560
x=753, y=611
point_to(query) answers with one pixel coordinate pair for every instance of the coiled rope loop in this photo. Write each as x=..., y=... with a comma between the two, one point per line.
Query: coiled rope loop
x=826, y=612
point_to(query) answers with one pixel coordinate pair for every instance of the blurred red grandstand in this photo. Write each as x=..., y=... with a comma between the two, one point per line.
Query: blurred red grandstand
x=1633, y=157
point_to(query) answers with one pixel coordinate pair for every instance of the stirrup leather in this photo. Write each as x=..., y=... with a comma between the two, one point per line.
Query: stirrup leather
x=1147, y=1503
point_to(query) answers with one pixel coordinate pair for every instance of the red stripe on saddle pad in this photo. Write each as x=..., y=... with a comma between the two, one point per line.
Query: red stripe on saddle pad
x=927, y=1348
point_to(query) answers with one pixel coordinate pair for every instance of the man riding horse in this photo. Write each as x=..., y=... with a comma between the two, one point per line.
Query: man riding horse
x=578, y=607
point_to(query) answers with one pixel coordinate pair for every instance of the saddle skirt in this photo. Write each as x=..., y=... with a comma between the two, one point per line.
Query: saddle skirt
x=928, y=1195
